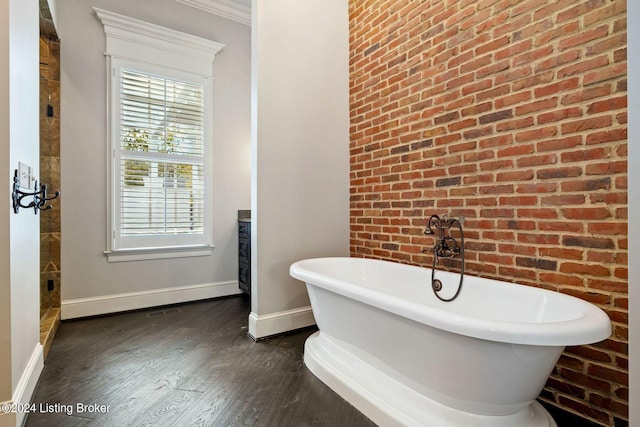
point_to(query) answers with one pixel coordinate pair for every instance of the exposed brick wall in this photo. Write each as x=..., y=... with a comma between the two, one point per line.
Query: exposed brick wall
x=511, y=114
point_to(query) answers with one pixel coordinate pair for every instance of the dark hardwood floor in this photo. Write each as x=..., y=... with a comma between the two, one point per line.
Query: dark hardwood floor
x=183, y=365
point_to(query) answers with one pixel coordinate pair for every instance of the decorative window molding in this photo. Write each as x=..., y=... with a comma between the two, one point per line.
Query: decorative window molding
x=168, y=168
x=227, y=9
x=142, y=41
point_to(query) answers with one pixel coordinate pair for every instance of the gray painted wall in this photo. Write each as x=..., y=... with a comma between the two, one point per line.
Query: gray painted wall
x=300, y=144
x=633, y=18
x=5, y=206
x=19, y=233
x=85, y=270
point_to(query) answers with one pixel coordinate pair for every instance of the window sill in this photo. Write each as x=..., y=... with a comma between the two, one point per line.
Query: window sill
x=120, y=255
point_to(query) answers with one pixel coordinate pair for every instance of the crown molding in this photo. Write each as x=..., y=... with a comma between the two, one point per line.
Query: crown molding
x=225, y=8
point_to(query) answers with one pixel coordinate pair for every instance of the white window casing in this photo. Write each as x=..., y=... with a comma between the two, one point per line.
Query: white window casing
x=159, y=140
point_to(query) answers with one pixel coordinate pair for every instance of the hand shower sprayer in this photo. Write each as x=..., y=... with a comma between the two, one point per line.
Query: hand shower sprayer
x=445, y=247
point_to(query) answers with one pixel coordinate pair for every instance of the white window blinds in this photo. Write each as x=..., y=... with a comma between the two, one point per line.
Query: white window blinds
x=161, y=159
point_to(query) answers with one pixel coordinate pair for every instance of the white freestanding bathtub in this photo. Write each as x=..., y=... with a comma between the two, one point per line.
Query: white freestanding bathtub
x=393, y=350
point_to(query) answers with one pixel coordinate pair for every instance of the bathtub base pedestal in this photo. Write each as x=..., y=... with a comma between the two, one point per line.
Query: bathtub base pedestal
x=388, y=402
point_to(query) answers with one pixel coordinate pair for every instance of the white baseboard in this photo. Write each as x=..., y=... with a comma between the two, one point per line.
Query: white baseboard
x=28, y=381
x=261, y=326
x=83, y=307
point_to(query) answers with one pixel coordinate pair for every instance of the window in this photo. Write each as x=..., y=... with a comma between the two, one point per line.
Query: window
x=160, y=161
x=160, y=140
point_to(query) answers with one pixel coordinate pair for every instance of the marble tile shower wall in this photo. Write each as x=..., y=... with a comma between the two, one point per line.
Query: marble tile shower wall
x=50, y=172
x=513, y=114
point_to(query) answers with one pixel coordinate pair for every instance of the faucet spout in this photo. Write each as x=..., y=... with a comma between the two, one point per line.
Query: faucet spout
x=447, y=246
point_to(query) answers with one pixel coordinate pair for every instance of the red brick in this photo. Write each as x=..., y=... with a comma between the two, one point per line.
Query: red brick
x=532, y=56
x=585, y=213
x=535, y=80
x=563, y=200
x=540, y=239
x=617, y=103
x=583, y=37
x=607, y=168
x=492, y=93
x=620, y=55
x=559, y=144
x=540, y=133
x=556, y=61
x=587, y=185
x=607, y=44
x=554, y=88
x=512, y=99
x=513, y=114
x=476, y=109
x=538, y=187
x=586, y=155
x=586, y=124
x=536, y=27
x=540, y=160
x=610, y=72
x=583, y=66
x=517, y=272
x=588, y=270
x=492, y=45
x=476, y=87
x=601, y=415
x=540, y=213
x=516, y=225
x=607, y=373
x=561, y=279
x=558, y=115
x=524, y=175
x=611, y=199
x=537, y=106
x=518, y=201
x=513, y=49
x=519, y=123
x=600, y=14
x=563, y=253
x=607, y=228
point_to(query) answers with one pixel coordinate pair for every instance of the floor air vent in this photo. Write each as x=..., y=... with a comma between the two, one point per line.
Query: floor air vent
x=164, y=312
